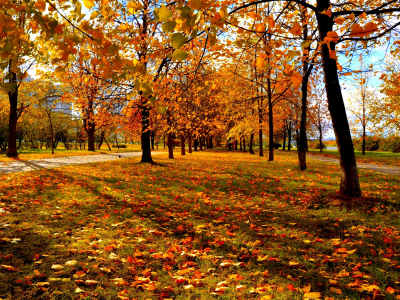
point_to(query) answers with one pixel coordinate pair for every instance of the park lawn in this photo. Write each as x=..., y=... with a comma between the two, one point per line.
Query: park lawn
x=28, y=154
x=370, y=157
x=210, y=225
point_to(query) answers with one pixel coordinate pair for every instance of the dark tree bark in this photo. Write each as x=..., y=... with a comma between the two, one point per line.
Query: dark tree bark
x=170, y=146
x=164, y=141
x=240, y=145
x=289, y=136
x=211, y=142
x=349, y=184
x=284, y=138
x=229, y=144
x=270, y=122
x=183, y=144
x=244, y=145
x=190, y=141
x=320, y=139
x=146, y=151
x=201, y=143
x=251, y=143
x=236, y=144
x=153, y=137
x=196, y=144
x=13, y=118
x=364, y=137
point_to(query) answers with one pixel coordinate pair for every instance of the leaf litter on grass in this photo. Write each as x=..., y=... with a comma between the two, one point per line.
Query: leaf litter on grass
x=211, y=225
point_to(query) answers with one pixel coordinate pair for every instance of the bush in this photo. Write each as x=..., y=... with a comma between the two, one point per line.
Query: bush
x=391, y=144
x=371, y=144
x=277, y=146
x=315, y=145
x=120, y=146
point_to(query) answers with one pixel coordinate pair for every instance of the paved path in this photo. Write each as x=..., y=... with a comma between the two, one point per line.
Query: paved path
x=49, y=163
x=385, y=169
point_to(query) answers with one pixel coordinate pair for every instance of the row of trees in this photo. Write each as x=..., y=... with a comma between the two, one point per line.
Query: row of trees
x=195, y=67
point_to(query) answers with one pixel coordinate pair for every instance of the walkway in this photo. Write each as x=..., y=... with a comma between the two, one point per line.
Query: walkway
x=385, y=169
x=49, y=163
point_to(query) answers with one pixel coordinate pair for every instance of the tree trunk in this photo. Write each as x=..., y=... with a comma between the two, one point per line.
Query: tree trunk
x=152, y=136
x=229, y=145
x=364, y=142
x=12, y=121
x=183, y=144
x=196, y=143
x=211, y=142
x=90, y=132
x=109, y=148
x=251, y=143
x=270, y=121
x=289, y=136
x=190, y=141
x=146, y=151
x=164, y=141
x=349, y=184
x=201, y=143
x=320, y=140
x=240, y=145
x=236, y=144
x=170, y=146
x=284, y=138
x=244, y=145
x=51, y=135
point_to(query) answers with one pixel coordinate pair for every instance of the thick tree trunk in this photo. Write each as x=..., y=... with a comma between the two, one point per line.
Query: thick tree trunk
x=301, y=147
x=349, y=184
x=211, y=142
x=90, y=130
x=146, y=151
x=244, y=145
x=229, y=145
x=170, y=146
x=183, y=144
x=201, y=143
x=251, y=143
x=236, y=144
x=12, y=121
x=240, y=145
x=196, y=144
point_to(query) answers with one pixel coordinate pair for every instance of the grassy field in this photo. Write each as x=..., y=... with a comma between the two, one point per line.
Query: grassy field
x=370, y=157
x=210, y=225
x=27, y=154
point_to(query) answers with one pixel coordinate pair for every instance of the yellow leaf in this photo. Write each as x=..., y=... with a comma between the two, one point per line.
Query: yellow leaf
x=88, y=3
x=296, y=29
x=196, y=4
x=312, y=295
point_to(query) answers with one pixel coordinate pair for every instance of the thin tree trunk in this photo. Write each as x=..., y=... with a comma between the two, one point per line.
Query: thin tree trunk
x=284, y=138
x=12, y=121
x=290, y=136
x=240, y=145
x=364, y=137
x=109, y=148
x=349, y=184
x=229, y=144
x=270, y=121
x=183, y=152
x=190, y=141
x=236, y=144
x=196, y=143
x=244, y=145
x=320, y=140
x=146, y=151
x=201, y=143
x=251, y=143
x=170, y=146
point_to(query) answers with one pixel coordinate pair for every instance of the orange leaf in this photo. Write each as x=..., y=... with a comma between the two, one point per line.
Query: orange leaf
x=296, y=29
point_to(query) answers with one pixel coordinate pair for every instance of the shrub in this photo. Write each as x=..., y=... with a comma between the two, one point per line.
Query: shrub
x=277, y=146
x=371, y=144
x=315, y=145
x=120, y=146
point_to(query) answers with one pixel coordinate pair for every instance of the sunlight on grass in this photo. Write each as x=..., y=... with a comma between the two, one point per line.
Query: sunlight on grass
x=211, y=225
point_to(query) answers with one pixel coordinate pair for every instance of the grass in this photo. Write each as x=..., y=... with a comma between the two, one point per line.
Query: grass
x=210, y=225
x=370, y=157
x=28, y=154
